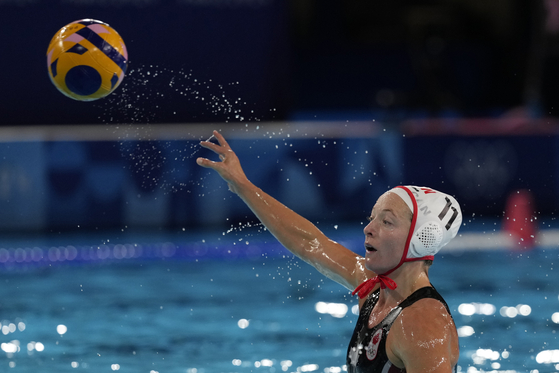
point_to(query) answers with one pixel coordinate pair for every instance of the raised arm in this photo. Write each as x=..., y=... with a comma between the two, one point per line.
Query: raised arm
x=296, y=233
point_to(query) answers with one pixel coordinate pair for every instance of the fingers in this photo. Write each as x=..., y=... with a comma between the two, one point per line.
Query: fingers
x=228, y=166
x=210, y=145
x=221, y=139
x=206, y=163
x=219, y=148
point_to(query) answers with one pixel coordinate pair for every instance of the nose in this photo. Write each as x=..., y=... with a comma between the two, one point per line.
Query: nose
x=369, y=229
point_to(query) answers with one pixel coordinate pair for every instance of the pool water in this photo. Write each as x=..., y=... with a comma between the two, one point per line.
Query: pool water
x=240, y=303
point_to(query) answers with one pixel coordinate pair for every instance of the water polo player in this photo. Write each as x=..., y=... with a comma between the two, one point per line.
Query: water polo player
x=404, y=324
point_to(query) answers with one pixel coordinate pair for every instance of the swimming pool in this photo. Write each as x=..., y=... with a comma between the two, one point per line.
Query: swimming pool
x=235, y=301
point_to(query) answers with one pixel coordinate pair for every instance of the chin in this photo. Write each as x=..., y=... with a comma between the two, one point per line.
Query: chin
x=373, y=264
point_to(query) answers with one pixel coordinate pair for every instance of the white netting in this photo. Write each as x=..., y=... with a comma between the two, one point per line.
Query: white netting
x=430, y=235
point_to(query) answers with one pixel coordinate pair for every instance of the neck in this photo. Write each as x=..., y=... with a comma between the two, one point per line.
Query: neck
x=410, y=277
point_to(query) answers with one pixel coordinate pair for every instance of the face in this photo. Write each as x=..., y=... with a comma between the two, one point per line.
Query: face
x=386, y=233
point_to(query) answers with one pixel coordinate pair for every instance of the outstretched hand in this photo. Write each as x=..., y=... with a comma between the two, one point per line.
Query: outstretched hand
x=229, y=166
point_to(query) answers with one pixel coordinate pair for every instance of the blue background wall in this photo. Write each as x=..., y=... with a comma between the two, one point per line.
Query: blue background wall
x=60, y=185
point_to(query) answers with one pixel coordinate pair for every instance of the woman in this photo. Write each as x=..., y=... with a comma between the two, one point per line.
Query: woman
x=404, y=325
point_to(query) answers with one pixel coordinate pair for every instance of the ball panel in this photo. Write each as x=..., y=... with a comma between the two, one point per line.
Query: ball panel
x=77, y=49
x=53, y=71
x=75, y=38
x=114, y=81
x=104, y=47
x=83, y=80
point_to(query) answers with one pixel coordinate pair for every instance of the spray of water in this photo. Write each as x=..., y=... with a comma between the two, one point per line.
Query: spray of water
x=153, y=95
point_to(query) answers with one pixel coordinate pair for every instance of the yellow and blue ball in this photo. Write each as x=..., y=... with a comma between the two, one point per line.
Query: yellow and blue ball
x=87, y=60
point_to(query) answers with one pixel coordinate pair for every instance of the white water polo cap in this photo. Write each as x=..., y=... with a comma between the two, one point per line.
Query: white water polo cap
x=436, y=220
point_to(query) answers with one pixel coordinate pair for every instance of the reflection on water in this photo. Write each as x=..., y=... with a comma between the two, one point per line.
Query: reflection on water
x=165, y=308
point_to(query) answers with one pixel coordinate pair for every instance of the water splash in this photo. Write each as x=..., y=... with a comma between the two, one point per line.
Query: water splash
x=155, y=94
x=151, y=95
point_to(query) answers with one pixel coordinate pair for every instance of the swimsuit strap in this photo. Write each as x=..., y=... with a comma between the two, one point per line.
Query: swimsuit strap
x=425, y=292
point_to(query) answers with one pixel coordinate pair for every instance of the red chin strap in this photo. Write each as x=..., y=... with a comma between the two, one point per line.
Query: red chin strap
x=386, y=282
x=366, y=287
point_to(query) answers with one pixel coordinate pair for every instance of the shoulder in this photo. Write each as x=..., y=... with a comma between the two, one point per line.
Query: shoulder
x=424, y=337
x=429, y=317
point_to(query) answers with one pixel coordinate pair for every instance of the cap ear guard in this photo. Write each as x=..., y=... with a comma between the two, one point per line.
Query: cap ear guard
x=426, y=240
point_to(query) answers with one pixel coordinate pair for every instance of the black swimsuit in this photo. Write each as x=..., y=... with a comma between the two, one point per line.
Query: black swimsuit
x=367, y=349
